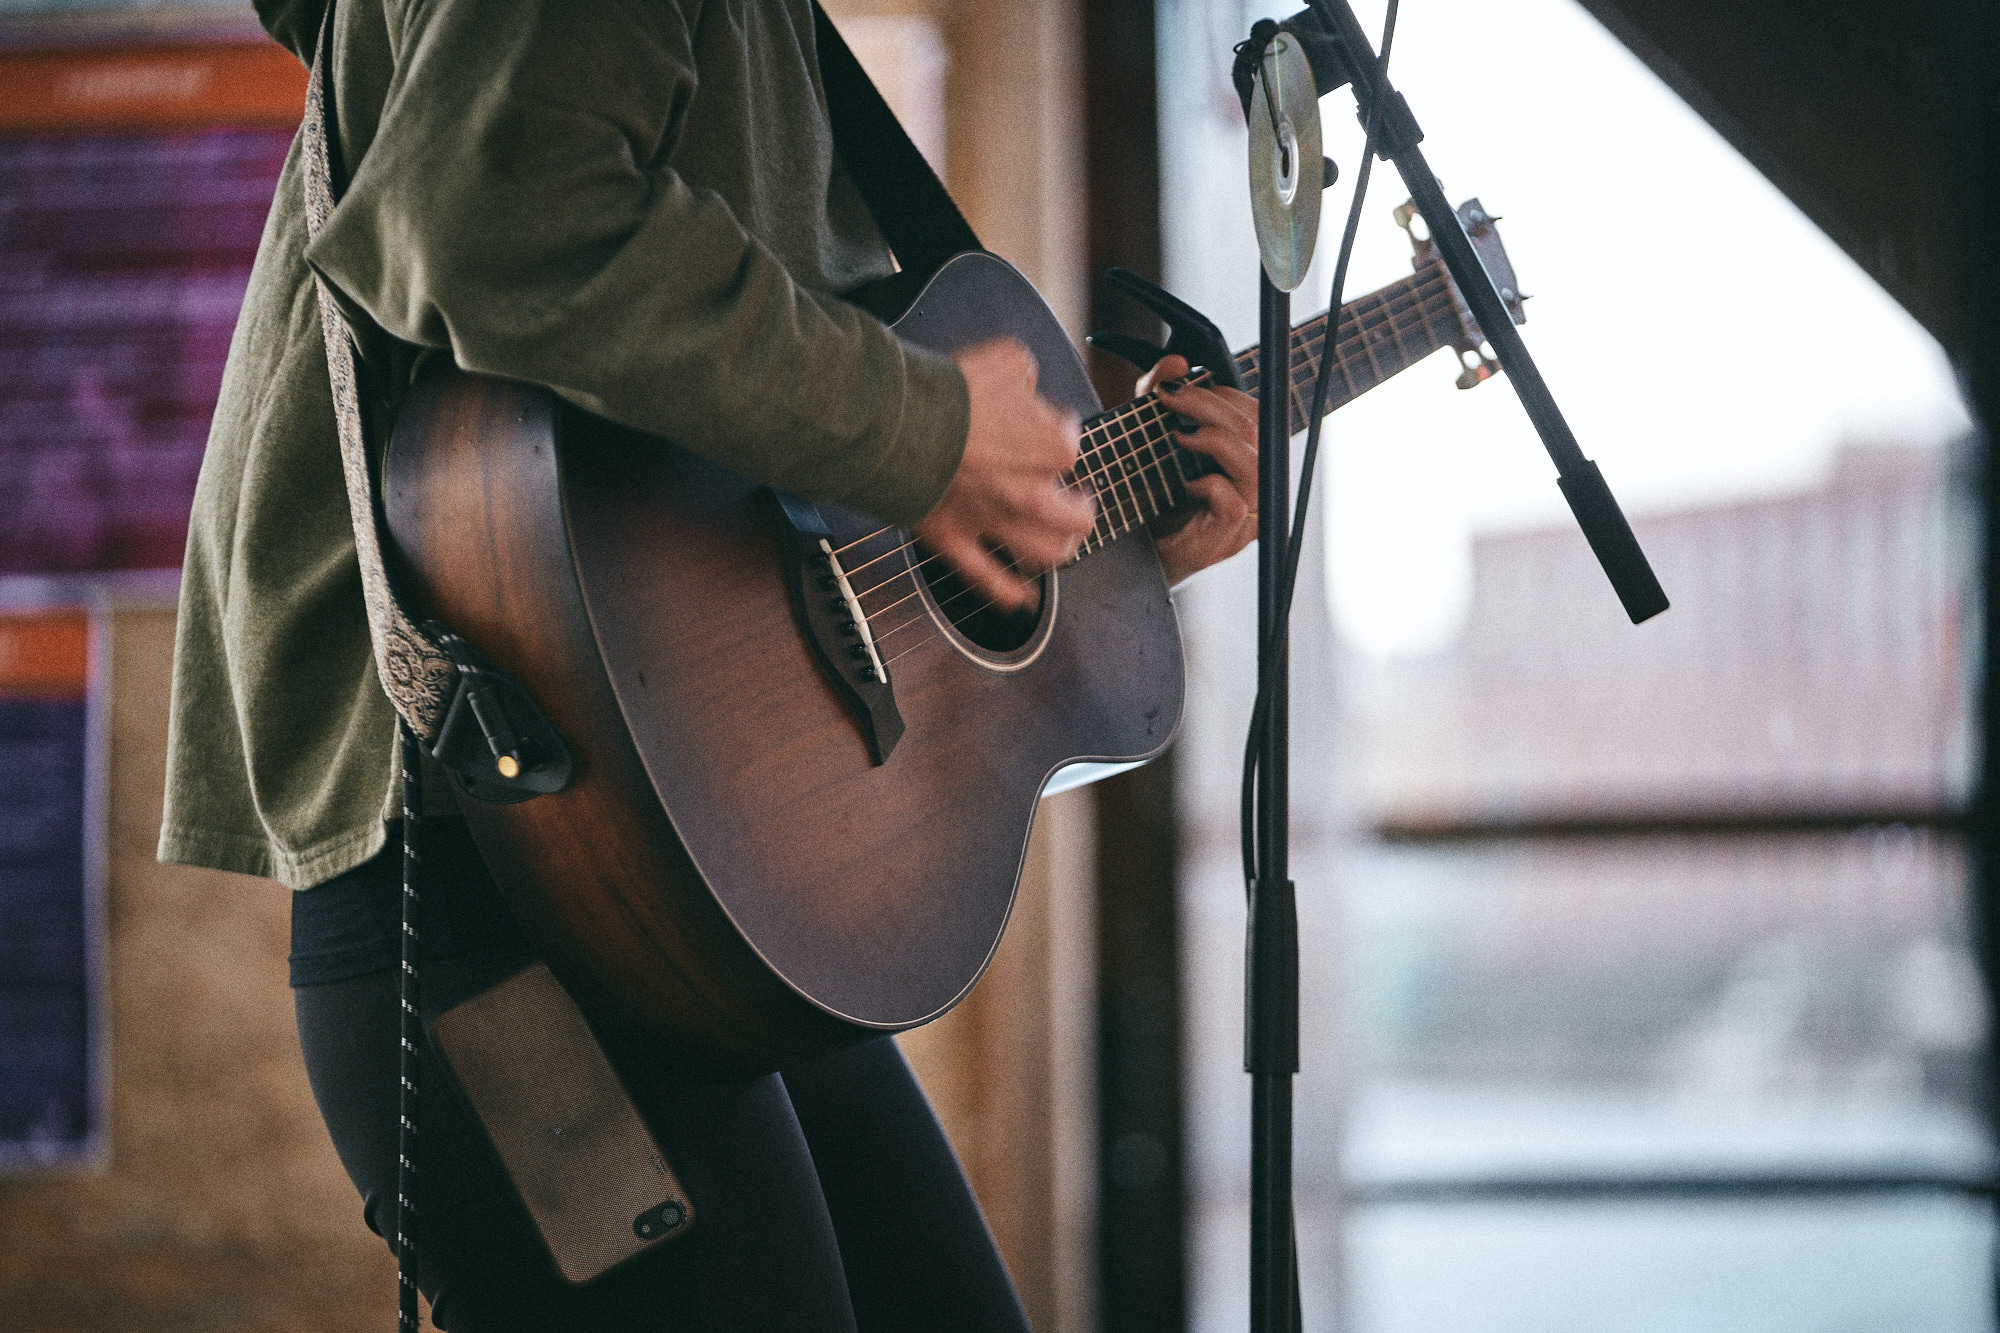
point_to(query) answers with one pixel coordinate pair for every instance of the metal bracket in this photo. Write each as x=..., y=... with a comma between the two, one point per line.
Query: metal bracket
x=499, y=745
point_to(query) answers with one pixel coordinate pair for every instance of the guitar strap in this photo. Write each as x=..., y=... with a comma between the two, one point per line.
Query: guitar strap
x=417, y=674
x=434, y=679
x=419, y=670
x=908, y=202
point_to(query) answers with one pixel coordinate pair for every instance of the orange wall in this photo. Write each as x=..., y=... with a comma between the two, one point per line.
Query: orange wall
x=46, y=654
x=171, y=87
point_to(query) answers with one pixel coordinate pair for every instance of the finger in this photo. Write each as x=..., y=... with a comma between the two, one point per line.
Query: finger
x=1170, y=367
x=1068, y=427
x=1000, y=361
x=1212, y=409
x=987, y=575
x=1225, y=409
x=1220, y=529
x=1049, y=538
x=1226, y=503
x=1231, y=442
x=1029, y=369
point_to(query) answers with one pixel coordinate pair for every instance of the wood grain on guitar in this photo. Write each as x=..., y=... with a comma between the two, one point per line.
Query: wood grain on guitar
x=739, y=873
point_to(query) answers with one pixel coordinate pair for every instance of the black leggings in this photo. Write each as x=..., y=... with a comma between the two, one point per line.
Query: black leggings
x=826, y=1198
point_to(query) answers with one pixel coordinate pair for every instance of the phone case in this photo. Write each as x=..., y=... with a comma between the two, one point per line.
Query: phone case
x=589, y=1171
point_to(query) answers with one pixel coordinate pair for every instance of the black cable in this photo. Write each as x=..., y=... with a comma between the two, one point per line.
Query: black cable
x=1295, y=546
x=408, y=996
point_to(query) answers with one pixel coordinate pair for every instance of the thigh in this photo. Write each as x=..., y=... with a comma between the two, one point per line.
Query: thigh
x=916, y=1248
x=762, y=1254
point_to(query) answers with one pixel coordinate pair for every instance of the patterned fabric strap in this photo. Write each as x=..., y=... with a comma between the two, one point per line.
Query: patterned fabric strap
x=908, y=202
x=415, y=672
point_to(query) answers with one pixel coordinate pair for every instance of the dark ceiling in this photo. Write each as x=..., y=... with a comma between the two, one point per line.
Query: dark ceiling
x=1879, y=118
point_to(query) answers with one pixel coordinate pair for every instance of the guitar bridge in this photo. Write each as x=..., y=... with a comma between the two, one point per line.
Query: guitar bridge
x=833, y=620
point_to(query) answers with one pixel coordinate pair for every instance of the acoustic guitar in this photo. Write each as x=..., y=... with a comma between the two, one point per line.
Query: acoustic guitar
x=806, y=758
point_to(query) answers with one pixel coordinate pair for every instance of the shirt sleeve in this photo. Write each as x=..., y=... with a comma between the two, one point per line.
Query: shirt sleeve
x=521, y=203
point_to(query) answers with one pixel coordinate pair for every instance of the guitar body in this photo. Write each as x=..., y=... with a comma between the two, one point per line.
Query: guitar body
x=732, y=876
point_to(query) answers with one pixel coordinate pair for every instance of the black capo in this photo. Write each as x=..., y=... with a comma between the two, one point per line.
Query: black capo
x=1190, y=333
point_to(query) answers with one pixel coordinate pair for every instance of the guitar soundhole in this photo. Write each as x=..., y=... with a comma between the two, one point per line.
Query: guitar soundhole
x=976, y=619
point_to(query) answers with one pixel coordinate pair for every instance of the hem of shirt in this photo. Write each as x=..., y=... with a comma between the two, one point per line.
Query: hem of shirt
x=250, y=854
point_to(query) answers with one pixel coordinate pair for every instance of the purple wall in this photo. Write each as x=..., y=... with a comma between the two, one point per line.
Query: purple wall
x=123, y=260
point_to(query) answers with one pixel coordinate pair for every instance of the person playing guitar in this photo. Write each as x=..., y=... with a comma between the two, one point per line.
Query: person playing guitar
x=639, y=207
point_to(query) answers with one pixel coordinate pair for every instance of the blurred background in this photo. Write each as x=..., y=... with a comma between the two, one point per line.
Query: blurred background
x=1642, y=965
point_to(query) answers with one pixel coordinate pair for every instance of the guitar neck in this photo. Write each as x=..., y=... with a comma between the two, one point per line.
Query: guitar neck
x=1382, y=334
x=1139, y=474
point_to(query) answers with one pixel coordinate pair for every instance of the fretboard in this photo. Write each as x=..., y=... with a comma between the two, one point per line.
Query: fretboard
x=1139, y=474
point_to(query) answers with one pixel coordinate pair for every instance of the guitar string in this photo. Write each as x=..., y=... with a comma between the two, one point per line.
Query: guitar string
x=1390, y=313
x=1422, y=290
x=1142, y=481
x=1417, y=297
x=1383, y=309
x=1409, y=311
x=1114, y=467
x=1139, y=492
x=1138, y=497
x=1095, y=454
x=1148, y=441
x=1366, y=325
x=1104, y=458
x=1422, y=296
x=1083, y=550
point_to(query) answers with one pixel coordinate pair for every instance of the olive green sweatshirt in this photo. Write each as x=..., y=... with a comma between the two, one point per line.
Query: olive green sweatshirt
x=634, y=203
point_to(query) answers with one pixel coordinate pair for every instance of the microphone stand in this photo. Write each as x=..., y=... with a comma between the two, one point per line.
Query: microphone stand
x=1339, y=53
x=1271, y=970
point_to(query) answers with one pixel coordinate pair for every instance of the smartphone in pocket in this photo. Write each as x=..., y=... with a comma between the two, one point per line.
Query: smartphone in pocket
x=588, y=1169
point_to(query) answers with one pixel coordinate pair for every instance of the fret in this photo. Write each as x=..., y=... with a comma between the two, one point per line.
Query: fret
x=1131, y=512
x=1174, y=464
x=1300, y=394
x=1135, y=468
x=1403, y=358
x=1131, y=506
x=1153, y=433
x=1105, y=476
x=1311, y=347
x=1090, y=465
x=1385, y=348
x=1311, y=355
x=1093, y=471
x=1163, y=469
x=1128, y=456
x=1246, y=367
x=1445, y=313
x=1368, y=331
x=1409, y=309
x=1334, y=397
